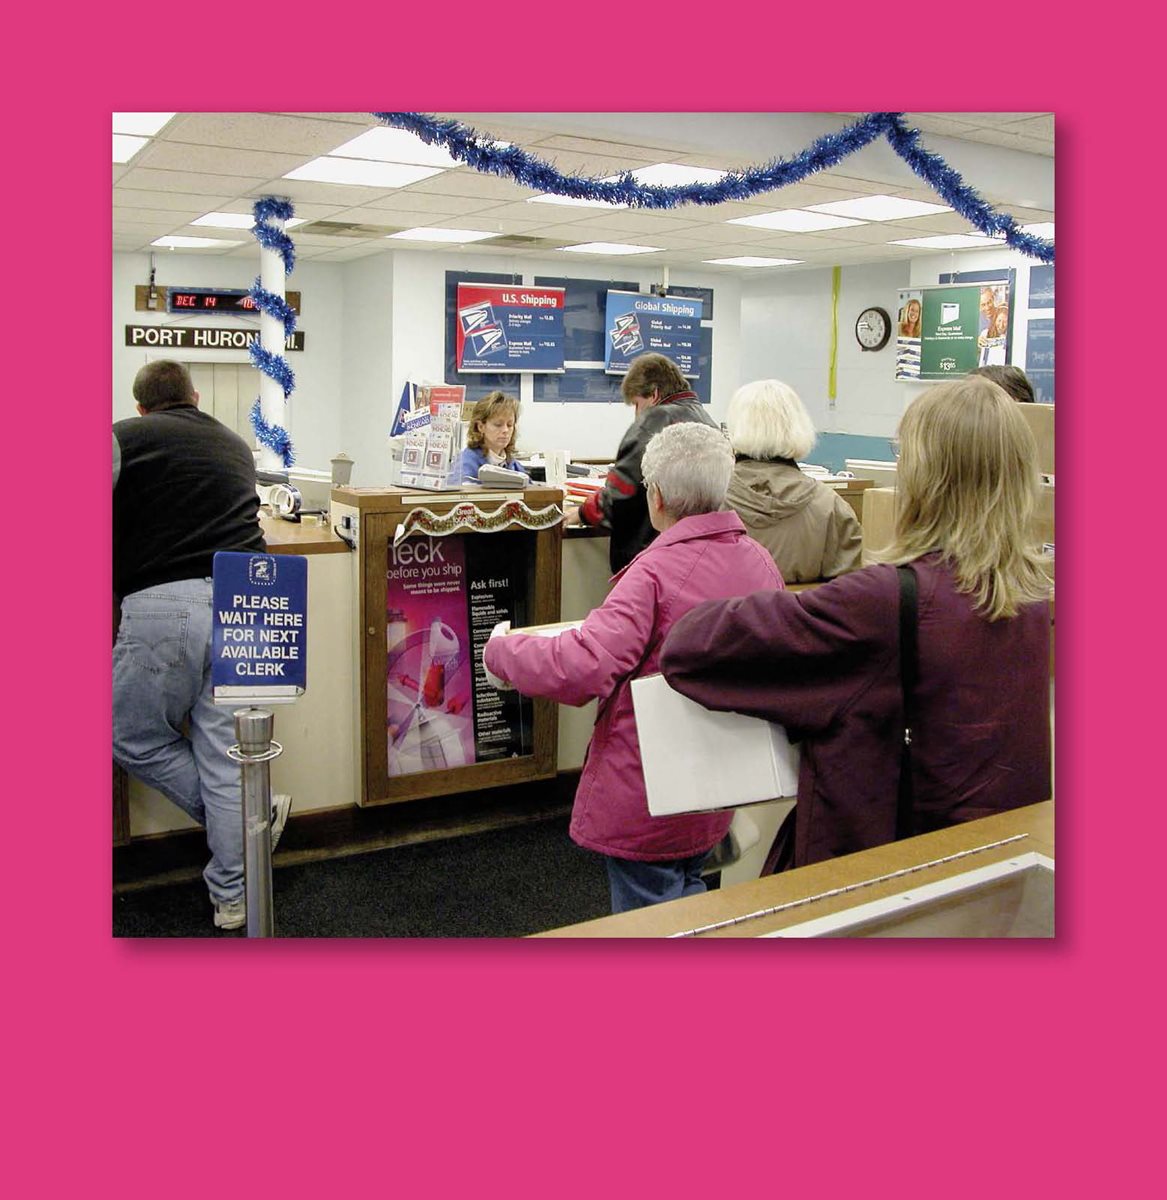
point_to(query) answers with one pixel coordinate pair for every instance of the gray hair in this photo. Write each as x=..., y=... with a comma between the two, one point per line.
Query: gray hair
x=766, y=419
x=690, y=463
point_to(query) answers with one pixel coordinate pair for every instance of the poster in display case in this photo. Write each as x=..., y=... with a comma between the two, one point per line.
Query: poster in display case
x=431, y=591
x=443, y=598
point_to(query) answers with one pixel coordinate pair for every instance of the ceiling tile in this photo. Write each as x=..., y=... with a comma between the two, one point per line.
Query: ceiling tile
x=336, y=195
x=130, y=198
x=410, y=200
x=359, y=118
x=161, y=216
x=303, y=135
x=349, y=253
x=154, y=227
x=516, y=217
x=1039, y=127
x=590, y=148
x=203, y=183
x=468, y=182
x=178, y=156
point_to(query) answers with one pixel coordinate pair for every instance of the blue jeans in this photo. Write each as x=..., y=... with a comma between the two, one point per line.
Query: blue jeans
x=167, y=730
x=634, y=884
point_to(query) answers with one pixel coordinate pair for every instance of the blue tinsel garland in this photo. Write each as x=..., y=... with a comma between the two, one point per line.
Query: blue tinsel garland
x=275, y=366
x=275, y=306
x=275, y=437
x=477, y=150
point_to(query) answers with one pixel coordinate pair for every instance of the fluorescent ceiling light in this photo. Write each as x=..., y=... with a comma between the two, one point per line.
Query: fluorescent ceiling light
x=193, y=243
x=395, y=146
x=1043, y=229
x=223, y=220
x=361, y=172
x=548, y=198
x=434, y=234
x=143, y=124
x=610, y=248
x=794, y=220
x=878, y=208
x=674, y=175
x=125, y=147
x=747, y=260
x=948, y=241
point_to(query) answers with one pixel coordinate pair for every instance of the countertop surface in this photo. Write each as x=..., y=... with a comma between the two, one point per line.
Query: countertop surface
x=300, y=537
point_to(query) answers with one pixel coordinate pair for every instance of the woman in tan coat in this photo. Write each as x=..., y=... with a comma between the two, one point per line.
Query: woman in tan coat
x=808, y=528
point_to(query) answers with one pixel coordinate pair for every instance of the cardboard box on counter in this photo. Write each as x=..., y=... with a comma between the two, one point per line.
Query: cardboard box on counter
x=696, y=760
x=879, y=510
x=1041, y=421
x=879, y=506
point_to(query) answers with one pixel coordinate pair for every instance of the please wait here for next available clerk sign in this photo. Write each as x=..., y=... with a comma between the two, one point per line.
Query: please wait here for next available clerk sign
x=260, y=649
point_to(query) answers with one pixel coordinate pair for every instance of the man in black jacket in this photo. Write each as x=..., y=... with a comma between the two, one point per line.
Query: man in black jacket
x=655, y=385
x=183, y=488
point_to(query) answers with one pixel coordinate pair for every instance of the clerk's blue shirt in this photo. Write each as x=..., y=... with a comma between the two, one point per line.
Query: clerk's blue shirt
x=473, y=459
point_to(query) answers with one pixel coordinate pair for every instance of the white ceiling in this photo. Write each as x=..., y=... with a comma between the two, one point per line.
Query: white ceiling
x=204, y=162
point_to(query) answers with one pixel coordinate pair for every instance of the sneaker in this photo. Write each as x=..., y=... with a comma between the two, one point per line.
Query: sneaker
x=231, y=914
x=281, y=805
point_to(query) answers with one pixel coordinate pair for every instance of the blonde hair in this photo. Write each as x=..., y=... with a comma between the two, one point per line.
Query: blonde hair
x=486, y=408
x=967, y=486
x=766, y=419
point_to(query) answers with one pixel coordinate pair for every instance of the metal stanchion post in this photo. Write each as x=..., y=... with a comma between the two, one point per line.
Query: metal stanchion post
x=255, y=750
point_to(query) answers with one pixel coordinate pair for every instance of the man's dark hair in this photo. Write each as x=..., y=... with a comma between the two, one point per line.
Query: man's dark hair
x=650, y=371
x=1012, y=379
x=163, y=384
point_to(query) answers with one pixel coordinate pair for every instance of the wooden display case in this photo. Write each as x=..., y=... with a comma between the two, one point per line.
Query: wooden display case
x=533, y=559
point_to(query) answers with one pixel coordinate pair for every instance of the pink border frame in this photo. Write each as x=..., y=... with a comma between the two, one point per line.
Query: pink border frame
x=551, y=1068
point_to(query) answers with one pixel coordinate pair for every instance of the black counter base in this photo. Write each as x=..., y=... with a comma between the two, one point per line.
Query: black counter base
x=180, y=856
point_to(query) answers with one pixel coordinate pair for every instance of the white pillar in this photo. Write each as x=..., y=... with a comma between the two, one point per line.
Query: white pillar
x=272, y=405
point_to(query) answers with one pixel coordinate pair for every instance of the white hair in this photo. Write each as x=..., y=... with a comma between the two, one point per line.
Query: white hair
x=690, y=463
x=766, y=419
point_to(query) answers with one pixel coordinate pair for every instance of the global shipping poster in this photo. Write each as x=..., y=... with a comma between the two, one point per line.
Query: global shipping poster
x=443, y=597
x=638, y=324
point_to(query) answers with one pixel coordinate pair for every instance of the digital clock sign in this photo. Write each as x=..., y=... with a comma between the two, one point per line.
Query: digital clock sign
x=224, y=300
x=229, y=300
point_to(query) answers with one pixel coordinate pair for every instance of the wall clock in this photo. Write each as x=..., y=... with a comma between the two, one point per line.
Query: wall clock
x=873, y=329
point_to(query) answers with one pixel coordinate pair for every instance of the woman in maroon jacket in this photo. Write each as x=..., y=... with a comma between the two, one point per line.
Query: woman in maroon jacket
x=825, y=664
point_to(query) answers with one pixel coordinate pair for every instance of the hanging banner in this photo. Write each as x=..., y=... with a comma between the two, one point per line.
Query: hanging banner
x=639, y=324
x=946, y=331
x=511, y=328
x=443, y=597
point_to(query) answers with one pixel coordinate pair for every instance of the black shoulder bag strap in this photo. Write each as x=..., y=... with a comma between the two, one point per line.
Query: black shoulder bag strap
x=908, y=661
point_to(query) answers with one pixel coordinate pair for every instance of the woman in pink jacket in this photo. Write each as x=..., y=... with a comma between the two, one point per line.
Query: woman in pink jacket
x=701, y=554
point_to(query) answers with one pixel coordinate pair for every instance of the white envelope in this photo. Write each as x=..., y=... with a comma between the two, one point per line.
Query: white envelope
x=696, y=760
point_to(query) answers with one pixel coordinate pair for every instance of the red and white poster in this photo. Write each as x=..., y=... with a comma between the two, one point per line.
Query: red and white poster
x=511, y=328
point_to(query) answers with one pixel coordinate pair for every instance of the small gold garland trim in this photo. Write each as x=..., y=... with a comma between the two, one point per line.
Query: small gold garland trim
x=468, y=516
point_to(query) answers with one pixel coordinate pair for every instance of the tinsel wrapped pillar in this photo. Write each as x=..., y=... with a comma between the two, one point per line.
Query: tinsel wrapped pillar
x=277, y=322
